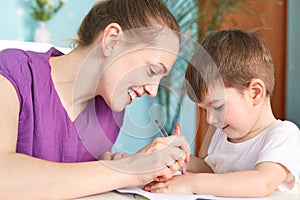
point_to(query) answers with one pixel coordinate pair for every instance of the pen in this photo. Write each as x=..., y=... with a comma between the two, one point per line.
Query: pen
x=163, y=132
x=177, y=131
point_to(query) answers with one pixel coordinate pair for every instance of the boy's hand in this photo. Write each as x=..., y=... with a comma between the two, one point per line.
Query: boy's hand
x=177, y=184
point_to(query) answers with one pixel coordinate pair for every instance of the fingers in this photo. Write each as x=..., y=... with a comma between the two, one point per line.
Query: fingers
x=163, y=175
x=157, y=161
x=106, y=156
x=160, y=143
x=118, y=155
x=156, y=187
x=174, y=167
x=113, y=156
x=178, y=141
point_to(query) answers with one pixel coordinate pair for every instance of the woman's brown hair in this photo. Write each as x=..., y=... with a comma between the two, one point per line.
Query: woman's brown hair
x=129, y=14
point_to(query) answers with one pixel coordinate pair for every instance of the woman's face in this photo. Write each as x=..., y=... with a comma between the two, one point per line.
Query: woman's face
x=134, y=74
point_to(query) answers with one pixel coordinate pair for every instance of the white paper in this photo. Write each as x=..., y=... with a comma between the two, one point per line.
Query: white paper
x=158, y=196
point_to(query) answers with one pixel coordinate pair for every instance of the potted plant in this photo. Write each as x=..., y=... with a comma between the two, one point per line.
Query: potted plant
x=42, y=11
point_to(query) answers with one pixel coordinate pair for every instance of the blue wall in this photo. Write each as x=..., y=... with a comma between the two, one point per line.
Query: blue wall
x=293, y=63
x=17, y=24
x=139, y=127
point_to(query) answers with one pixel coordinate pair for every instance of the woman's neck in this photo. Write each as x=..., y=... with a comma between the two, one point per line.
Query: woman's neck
x=74, y=79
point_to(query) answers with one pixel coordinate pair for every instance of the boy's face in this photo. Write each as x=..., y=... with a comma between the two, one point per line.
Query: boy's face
x=231, y=111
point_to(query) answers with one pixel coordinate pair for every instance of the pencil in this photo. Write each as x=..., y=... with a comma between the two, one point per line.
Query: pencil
x=177, y=131
x=163, y=132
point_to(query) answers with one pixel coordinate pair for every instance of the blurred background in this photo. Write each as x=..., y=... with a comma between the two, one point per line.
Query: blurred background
x=275, y=19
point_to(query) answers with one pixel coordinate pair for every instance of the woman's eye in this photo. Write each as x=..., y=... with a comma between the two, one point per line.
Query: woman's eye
x=152, y=72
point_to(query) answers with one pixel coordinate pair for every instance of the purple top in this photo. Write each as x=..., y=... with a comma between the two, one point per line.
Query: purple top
x=45, y=131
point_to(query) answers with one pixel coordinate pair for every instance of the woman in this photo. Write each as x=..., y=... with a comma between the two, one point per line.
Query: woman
x=60, y=113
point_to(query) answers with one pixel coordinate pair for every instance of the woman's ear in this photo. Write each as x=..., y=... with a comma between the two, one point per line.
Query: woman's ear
x=110, y=34
x=257, y=91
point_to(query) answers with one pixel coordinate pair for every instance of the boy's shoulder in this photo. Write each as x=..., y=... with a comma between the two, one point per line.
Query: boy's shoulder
x=286, y=124
x=284, y=128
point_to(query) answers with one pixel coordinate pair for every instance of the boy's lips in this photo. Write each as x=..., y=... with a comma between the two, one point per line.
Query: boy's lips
x=224, y=127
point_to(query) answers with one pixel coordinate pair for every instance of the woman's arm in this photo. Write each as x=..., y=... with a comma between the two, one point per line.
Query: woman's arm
x=25, y=177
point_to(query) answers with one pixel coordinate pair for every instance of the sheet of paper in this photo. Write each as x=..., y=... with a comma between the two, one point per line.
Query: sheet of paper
x=158, y=196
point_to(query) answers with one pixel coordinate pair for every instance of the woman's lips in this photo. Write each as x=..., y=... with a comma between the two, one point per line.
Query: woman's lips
x=132, y=95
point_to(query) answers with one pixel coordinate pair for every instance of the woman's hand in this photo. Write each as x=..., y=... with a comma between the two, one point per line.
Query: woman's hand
x=159, y=143
x=157, y=161
x=113, y=156
x=175, y=141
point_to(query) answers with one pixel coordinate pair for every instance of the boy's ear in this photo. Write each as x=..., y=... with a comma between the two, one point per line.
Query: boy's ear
x=257, y=91
x=110, y=34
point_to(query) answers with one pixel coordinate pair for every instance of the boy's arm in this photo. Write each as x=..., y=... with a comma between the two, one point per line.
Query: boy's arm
x=197, y=164
x=206, y=142
x=260, y=182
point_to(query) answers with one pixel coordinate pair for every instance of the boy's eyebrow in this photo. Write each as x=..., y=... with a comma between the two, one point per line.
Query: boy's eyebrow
x=213, y=101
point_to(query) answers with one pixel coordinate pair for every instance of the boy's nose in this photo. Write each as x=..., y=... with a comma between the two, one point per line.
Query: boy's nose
x=210, y=118
x=151, y=89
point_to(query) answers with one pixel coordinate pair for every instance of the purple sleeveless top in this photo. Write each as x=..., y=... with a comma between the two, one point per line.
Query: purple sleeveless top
x=45, y=131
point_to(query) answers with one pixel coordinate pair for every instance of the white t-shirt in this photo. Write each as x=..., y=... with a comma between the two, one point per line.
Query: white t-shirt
x=278, y=143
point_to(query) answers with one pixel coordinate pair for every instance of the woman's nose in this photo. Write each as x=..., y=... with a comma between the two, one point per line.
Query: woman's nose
x=151, y=89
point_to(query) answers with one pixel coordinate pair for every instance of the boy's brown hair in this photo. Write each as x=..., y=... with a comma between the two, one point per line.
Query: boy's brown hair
x=232, y=56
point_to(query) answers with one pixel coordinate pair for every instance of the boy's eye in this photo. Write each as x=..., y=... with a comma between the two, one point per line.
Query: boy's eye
x=219, y=107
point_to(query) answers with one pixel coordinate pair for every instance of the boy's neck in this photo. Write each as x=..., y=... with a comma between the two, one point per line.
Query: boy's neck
x=265, y=119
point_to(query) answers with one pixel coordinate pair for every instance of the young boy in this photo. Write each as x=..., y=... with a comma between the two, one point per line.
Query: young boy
x=251, y=153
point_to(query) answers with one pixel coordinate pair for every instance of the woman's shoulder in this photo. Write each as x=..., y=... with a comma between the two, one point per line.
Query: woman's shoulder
x=11, y=55
x=14, y=55
x=22, y=67
x=10, y=58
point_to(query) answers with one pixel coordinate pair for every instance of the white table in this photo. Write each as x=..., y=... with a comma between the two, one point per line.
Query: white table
x=117, y=196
